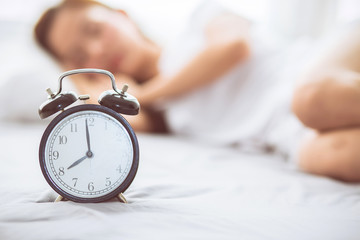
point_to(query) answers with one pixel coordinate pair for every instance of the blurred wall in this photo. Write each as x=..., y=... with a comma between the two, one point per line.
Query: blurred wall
x=161, y=19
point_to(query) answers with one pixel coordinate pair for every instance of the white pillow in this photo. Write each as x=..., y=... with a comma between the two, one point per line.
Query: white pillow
x=22, y=94
x=26, y=72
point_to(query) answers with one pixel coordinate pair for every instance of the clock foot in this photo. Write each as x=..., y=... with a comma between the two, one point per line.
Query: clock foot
x=59, y=199
x=121, y=198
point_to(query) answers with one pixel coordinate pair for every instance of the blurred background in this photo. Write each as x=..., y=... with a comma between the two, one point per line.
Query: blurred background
x=22, y=63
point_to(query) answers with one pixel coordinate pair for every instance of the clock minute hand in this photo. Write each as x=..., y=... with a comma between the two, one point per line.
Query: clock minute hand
x=87, y=136
x=77, y=162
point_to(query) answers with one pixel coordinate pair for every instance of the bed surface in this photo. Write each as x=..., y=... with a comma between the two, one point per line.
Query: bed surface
x=183, y=190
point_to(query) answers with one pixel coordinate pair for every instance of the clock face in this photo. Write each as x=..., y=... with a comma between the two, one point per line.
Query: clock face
x=89, y=154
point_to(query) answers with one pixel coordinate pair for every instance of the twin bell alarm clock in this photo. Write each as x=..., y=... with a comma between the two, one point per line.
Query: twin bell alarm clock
x=89, y=153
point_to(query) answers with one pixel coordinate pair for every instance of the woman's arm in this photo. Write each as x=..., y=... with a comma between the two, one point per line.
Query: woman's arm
x=227, y=44
x=329, y=95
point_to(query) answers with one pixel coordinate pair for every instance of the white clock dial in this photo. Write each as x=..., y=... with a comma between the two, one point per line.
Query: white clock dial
x=88, y=154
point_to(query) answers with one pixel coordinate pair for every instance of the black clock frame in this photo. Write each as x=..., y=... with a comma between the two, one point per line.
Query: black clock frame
x=92, y=107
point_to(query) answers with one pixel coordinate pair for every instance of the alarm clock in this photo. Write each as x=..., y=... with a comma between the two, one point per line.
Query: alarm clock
x=89, y=152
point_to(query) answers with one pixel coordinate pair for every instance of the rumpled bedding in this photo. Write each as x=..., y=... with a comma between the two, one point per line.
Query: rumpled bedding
x=183, y=190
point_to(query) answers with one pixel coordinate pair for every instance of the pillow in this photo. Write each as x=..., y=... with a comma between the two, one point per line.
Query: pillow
x=23, y=92
x=27, y=71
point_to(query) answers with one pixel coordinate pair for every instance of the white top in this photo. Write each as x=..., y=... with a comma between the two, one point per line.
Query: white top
x=249, y=105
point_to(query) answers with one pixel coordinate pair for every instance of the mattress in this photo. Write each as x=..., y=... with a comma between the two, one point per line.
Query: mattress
x=183, y=190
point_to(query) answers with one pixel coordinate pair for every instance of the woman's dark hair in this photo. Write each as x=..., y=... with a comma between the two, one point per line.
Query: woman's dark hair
x=45, y=22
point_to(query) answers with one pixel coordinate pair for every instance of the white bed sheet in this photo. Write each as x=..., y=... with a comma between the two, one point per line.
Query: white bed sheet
x=183, y=190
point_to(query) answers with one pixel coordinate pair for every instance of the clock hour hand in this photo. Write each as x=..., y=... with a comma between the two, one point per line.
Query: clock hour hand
x=89, y=154
x=77, y=162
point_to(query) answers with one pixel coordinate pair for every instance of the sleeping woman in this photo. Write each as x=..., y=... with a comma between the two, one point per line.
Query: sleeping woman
x=222, y=81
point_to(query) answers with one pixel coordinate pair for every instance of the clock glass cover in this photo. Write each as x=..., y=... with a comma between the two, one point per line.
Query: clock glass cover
x=88, y=154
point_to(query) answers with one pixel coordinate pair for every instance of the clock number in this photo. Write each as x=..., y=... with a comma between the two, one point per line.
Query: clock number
x=75, y=181
x=73, y=127
x=91, y=122
x=119, y=169
x=106, y=126
x=55, y=155
x=61, y=171
x=108, y=182
x=62, y=139
x=91, y=186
